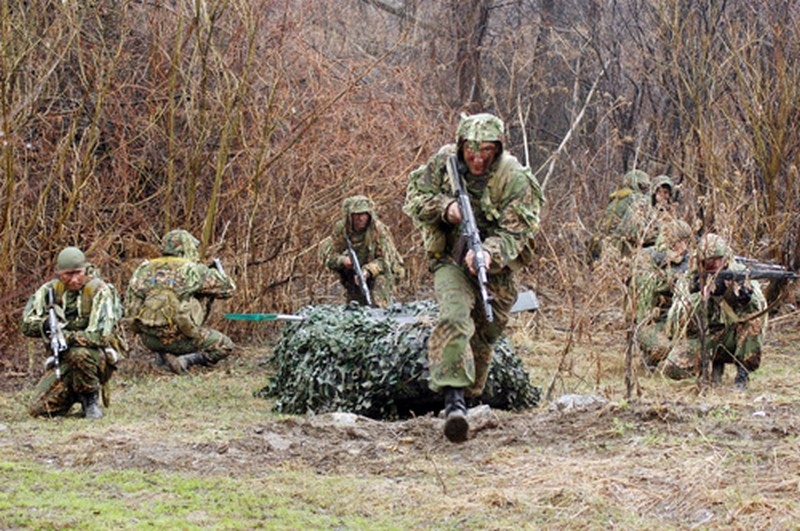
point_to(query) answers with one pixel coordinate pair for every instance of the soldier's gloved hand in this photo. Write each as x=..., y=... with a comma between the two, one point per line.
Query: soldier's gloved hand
x=720, y=287
x=739, y=295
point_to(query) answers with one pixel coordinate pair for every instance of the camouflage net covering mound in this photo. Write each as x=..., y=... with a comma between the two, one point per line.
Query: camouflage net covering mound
x=373, y=362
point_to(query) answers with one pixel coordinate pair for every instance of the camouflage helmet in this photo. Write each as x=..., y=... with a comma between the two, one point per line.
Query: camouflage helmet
x=658, y=182
x=636, y=180
x=482, y=127
x=358, y=204
x=70, y=259
x=712, y=246
x=180, y=243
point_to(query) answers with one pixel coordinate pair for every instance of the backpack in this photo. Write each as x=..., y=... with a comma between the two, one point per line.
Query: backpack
x=157, y=284
x=159, y=308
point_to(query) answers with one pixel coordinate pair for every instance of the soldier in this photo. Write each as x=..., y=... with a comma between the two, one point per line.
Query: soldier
x=371, y=240
x=164, y=307
x=656, y=270
x=732, y=314
x=505, y=199
x=620, y=224
x=88, y=311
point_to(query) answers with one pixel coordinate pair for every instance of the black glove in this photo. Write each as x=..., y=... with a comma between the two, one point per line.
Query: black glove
x=738, y=295
x=720, y=287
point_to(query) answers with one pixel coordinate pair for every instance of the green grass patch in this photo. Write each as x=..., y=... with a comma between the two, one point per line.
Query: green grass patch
x=39, y=497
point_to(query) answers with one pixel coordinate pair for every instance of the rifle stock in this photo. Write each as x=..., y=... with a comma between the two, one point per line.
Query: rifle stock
x=469, y=230
x=58, y=343
x=362, y=282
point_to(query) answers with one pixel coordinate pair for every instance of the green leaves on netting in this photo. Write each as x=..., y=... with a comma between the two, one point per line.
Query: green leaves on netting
x=373, y=362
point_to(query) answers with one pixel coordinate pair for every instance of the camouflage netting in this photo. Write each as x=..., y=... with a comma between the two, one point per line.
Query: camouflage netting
x=374, y=363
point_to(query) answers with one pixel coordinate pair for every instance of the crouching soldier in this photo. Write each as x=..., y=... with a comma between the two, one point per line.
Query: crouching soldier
x=77, y=313
x=164, y=308
x=361, y=235
x=732, y=317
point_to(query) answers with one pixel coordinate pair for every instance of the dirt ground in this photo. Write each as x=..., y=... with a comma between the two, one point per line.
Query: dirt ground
x=720, y=459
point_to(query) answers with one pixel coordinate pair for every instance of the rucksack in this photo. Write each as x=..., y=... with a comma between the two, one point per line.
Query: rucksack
x=159, y=308
x=157, y=285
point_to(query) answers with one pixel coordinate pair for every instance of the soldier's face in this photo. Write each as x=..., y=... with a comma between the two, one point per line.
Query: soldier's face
x=663, y=196
x=73, y=279
x=479, y=157
x=360, y=221
x=713, y=264
x=678, y=250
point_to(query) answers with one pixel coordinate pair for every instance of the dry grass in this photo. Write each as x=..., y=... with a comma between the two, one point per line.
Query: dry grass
x=669, y=458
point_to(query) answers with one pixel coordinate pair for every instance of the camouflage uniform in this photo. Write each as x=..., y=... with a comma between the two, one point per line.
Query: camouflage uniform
x=627, y=213
x=164, y=306
x=506, y=201
x=656, y=271
x=734, y=316
x=89, y=317
x=380, y=262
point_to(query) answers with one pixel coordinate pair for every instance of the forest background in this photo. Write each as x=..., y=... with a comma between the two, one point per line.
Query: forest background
x=248, y=121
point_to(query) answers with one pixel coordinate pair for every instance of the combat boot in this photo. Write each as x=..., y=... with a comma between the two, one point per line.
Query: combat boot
x=190, y=360
x=90, y=408
x=456, y=427
x=742, y=375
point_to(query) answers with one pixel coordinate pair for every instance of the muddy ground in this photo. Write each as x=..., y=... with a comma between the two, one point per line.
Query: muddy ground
x=719, y=458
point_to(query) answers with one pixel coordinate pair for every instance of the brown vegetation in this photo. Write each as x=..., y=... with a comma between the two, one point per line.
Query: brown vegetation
x=248, y=121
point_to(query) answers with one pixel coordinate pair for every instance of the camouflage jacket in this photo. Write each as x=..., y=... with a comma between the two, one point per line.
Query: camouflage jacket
x=374, y=247
x=90, y=315
x=187, y=278
x=506, y=203
x=655, y=278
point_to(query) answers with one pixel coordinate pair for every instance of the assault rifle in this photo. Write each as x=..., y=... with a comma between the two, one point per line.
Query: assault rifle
x=58, y=343
x=362, y=281
x=721, y=277
x=757, y=273
x=469, y=231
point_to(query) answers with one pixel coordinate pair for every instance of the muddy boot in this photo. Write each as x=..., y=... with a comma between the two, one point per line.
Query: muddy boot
x=742, y=375
x=456, y=427
x=161, y=361
x=190, y=360
x=717, y=369
x=172, y=363
x=90, y=408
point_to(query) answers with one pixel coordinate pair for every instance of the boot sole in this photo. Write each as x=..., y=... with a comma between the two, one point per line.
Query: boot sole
x=456, y=428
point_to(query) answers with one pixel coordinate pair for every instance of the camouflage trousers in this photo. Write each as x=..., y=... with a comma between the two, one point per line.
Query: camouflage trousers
x=739, y=344
x=379, y=289
x=83, y=370
x=214, y=344
x=460, y=346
